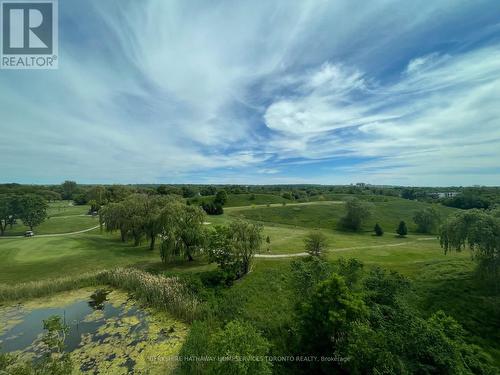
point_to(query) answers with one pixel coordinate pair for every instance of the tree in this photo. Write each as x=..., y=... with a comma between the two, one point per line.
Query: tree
x=234, y=246
x=9, y=210
x=408, y=194
x=478, y=231
x=114, y=217
x=213, y=208
x=189, y=191
x=183, y=233
x=208, y=190
x=240, y=340
x=153, y=223
x=32, y=210
x=402, y=229
x=97, y=197
x=222, y=252
x=326, y=319
x=370, y=326
x=378, y=230
x=236, y=349
x=221, y=197
x=315, y=243
x=247, y=240
x=357, y=212
x=427, y=220
x=69, y=188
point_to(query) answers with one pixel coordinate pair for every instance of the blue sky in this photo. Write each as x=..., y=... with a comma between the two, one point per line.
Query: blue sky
x=332, y=92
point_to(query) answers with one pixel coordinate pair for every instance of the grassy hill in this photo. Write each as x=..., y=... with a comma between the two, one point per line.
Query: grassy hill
x=387, y=214
x=239, y=200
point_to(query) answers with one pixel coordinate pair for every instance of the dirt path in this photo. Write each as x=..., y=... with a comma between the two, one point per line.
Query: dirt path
x=293, y=255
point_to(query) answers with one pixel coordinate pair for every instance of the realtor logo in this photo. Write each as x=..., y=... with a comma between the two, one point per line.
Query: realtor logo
x=29, y=34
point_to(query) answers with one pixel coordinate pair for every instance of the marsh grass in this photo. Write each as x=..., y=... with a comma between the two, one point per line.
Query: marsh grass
x=36, y=289
x=163, y=293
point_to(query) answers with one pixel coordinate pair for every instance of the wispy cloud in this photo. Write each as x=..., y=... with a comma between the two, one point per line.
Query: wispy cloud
x=182, y=91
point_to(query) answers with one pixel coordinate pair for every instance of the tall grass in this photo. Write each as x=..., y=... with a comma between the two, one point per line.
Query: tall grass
x=163, y=293
x=35, y=289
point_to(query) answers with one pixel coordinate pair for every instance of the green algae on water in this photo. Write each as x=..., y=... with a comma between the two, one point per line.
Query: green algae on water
x=109, y=332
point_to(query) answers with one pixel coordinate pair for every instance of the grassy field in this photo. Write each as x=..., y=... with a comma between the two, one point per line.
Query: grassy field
x=57, y=224
x=63, y=217
x=440, y=281
x=28, y=259
x=66, y=208
x=239, y=200
x=328, y=214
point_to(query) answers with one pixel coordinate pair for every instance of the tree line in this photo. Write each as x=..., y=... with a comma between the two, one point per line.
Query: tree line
x=181, y=231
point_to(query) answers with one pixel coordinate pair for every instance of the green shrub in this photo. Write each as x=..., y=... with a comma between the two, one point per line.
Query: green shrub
x=378, y=230
x=236, y=349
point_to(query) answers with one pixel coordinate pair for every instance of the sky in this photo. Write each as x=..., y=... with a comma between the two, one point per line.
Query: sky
x=261, y=92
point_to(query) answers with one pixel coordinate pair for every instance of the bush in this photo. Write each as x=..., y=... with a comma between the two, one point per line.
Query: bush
x=402, y=229
x=357, y=213
x=213, y=208
x=378, y=230
x=236, y=349
x=427, y=220
x=315, y=243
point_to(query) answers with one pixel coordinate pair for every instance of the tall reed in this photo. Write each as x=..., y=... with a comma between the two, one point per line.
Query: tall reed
x=163, y=293
x=35, y=289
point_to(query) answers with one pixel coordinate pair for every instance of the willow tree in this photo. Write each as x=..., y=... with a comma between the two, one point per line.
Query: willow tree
x=114, y=217
x=478, y=231
x=247, y=241
x=182, y=231
x=155, y=223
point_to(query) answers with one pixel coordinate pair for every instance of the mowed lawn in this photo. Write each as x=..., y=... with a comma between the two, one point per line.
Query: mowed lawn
x=327, y=215
x=66, y=208
x=30, y=259
x=53, y=225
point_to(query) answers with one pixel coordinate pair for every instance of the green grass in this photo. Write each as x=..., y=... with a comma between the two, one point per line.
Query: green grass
x=66, y=208
x=240, y=200
x=327, y=215
x=30, y=259
x=56, y=224
x=440, y=281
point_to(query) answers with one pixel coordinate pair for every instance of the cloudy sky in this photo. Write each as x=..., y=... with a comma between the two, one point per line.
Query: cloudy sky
x=384, y=92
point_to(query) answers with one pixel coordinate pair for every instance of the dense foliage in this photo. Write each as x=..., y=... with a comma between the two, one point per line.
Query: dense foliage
x=427, y=220
x=30, y=208
x=479, y=231
x=357, y=212
x=358, y=322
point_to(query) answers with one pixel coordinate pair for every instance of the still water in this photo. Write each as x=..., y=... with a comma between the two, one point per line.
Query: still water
x=109, y=332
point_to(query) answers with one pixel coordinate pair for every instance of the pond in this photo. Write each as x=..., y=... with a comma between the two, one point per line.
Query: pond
x=109, y=332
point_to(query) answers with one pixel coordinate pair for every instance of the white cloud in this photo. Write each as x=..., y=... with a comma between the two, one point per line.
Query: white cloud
x=159, y=89
x=440, y=118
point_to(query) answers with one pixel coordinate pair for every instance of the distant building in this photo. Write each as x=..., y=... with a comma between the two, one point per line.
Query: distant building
x=447, y=194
